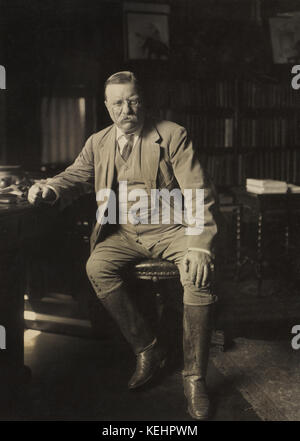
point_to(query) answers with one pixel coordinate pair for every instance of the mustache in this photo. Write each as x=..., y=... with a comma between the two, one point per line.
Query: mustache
x=129, y=118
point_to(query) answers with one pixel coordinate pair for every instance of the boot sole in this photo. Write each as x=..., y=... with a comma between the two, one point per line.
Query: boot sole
x=199, y=418
x=159, y=366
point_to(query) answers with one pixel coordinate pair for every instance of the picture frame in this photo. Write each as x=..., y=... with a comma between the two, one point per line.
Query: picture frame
x=285, y=39
x=146, y=33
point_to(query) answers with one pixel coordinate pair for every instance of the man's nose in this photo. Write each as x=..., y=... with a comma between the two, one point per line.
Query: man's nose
x=127, y=108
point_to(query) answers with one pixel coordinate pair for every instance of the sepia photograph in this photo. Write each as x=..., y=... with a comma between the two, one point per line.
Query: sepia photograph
x=149, y=214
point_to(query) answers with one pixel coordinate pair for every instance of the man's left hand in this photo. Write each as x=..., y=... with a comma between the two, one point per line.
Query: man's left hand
x=199, y=265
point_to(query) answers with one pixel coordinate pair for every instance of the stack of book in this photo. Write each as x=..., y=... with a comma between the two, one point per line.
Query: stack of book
x=294, y=188
x=262, y=186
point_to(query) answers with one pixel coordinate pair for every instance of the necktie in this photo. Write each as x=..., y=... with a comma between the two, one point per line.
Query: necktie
x=127, y=147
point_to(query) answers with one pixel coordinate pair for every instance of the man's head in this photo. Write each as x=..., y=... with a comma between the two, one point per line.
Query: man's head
x=123, y=100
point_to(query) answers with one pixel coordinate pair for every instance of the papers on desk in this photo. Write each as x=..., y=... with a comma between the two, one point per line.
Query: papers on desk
x=12, y=194
x=8, y=198
x=265, y=186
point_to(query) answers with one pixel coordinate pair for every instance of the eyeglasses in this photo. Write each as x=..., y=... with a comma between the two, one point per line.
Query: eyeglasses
x=119, y=104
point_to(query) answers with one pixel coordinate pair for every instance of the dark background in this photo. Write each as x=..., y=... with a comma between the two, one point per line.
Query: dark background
x=70, y=46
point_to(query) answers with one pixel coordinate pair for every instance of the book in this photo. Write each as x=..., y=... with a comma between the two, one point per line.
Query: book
x=266, y=183
x=294, y=188
x=261, y=190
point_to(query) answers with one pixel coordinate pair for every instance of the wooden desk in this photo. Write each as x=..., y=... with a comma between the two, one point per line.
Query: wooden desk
x=267, y=210
x=21, y=225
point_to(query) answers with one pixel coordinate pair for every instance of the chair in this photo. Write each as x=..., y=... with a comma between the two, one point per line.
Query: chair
x=157, y=270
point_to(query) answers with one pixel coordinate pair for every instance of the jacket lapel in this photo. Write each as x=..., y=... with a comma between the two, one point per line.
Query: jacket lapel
x=105, y=169
x=107, y=159
x=150, y=154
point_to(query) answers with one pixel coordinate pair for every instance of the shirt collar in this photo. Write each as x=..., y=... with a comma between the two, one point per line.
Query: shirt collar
x=120, y=134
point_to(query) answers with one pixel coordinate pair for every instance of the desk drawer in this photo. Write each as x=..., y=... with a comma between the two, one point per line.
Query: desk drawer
x=274, y=203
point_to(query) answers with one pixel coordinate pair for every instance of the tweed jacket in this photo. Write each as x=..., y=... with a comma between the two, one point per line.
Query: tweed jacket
x=168, y=160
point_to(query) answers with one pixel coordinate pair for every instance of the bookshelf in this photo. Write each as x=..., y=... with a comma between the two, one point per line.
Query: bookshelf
x=240, y=127
x=269, y=131
x=207, y=109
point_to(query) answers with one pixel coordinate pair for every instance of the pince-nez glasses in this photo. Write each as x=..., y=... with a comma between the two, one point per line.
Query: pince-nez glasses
x=134, y=103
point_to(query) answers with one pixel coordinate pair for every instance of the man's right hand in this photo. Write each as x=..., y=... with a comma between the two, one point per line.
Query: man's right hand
x=39, y=193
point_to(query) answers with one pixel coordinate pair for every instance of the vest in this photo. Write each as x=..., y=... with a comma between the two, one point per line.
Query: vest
x=137, y=222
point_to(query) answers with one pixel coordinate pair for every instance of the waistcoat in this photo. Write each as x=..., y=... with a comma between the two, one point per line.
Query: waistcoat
x=137, y=223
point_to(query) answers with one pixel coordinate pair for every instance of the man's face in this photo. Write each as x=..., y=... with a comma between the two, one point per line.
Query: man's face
x=124, y=106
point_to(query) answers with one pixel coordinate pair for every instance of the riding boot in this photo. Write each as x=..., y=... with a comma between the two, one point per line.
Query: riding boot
x=149, y=355
x=197, y=327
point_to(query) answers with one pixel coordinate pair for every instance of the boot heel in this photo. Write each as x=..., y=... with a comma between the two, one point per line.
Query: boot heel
x=148, y=365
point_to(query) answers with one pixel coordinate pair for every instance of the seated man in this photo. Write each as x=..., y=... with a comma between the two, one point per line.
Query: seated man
x=140, y=158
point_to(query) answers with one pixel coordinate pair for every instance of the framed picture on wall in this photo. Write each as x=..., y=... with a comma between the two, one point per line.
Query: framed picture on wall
x=285, y=38
x=146, y=31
